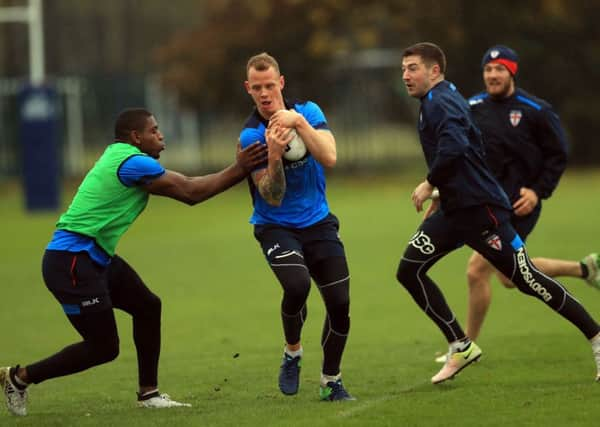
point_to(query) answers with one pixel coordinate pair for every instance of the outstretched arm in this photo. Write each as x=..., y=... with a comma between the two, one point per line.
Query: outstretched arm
x=192, y=190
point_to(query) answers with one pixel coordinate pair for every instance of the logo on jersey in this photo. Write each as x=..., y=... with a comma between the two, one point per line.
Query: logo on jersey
x=494, y=242
x=272, y=249
x=422, y=242
x=296, y=164
x=515, y=117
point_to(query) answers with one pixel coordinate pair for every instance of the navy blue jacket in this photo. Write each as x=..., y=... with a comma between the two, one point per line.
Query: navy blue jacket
x=454, y=152
x=524, y=141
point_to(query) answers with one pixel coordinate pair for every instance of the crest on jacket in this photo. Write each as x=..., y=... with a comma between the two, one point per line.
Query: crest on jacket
x=515, y=117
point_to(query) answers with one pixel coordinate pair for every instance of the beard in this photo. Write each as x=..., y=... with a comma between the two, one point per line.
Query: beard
x=498, y=91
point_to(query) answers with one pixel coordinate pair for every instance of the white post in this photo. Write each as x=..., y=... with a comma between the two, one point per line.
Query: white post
x=36, y=43
x=75, y=149
x=32, y=16
x=13, y=14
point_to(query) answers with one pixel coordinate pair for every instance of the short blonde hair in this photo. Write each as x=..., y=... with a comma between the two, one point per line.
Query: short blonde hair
x=262, y=62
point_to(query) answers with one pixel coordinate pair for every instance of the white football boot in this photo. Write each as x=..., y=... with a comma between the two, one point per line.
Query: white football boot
x=456, y=362
x=159, y=400
x=16, y=399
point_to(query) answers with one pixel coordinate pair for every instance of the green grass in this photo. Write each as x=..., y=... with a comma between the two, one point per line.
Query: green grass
x=220, y=299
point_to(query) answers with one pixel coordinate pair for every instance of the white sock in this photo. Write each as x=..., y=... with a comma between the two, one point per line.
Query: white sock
x=329, y=378
x=295, y=353
x=595, y=341
x=459, y=346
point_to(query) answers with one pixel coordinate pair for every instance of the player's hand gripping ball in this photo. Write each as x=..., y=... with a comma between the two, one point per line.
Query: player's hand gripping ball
x=296, y=149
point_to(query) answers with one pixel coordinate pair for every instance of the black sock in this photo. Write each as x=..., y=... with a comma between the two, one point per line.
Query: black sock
x=585, y=272
x=17, y=382
x=148, y=395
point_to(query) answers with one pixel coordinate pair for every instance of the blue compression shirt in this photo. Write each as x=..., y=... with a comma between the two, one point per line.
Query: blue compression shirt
x=304, y=203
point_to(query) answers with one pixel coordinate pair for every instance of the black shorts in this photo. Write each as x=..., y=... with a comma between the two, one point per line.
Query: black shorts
x=78, y=283
x=486, y=229
x=314, y=243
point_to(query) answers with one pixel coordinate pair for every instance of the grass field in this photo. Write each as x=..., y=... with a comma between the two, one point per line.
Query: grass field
x=220, y=300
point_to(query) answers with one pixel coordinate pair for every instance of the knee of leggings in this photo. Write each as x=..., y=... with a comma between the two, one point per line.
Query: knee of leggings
x=339, y=317
x=294, y=298
x=406, y=273
x=107, y=350
x=296, y=286
x=149, y=308
x=153, y=307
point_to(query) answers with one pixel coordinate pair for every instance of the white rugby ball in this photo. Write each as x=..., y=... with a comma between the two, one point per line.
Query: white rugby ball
x=296, y=149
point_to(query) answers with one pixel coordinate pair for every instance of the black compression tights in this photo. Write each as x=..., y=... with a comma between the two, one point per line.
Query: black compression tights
x=100, y=345
x=332, y=278
x=99, y=331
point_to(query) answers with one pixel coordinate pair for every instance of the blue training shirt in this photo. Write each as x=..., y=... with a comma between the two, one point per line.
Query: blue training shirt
x=304, y=202
x=136, y=170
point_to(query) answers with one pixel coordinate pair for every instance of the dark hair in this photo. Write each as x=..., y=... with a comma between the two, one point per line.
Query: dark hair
x=430, y=53
x=262, y=62
x=130, y=120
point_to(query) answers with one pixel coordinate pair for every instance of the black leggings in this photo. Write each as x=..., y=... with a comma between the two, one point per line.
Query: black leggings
x=297, y=254
x=498, y=242
x=98, y=328
x=333, y=281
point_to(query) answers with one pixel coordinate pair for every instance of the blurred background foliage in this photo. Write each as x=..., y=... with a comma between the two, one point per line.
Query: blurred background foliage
x=186, y=61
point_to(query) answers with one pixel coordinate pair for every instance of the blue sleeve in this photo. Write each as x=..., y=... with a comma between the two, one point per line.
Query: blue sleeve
x=138, y=170
x=249, y=136
x=313, y=114
x=449, y=127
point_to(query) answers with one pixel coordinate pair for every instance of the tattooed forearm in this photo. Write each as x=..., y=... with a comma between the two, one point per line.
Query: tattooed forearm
x=272, y=184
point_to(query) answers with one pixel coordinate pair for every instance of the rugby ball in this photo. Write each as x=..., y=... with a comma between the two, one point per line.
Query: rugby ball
x=296, y=149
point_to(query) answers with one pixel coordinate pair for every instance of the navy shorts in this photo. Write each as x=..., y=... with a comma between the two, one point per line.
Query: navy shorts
x=78, y=283
x=486, y=229
x=314, y=243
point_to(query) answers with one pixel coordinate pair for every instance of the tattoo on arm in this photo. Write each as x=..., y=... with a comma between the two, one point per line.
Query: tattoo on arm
x=272, y=185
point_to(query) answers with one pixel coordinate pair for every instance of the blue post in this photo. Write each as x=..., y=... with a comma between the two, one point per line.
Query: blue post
x=38, y=113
